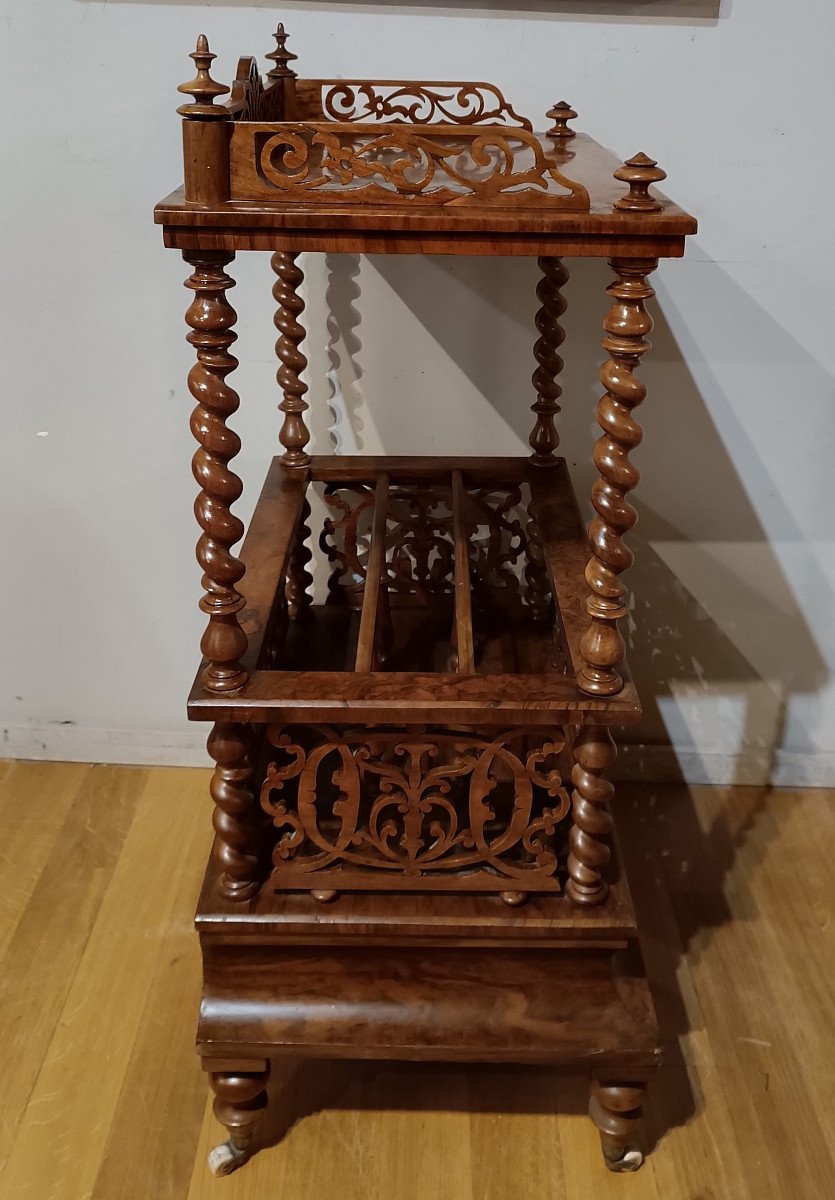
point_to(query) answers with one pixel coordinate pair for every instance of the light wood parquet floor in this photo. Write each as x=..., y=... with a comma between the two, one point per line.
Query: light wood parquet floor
x=101, y=1097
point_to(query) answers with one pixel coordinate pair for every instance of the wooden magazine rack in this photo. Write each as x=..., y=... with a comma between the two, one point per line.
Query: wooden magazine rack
x=413, y=854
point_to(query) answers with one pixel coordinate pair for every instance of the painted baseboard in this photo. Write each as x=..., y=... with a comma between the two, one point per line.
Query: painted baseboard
x=63, y=742
x=753, y=766
x=643, y=763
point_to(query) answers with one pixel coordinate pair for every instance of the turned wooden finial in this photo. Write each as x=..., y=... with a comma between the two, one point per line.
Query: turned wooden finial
x=203, y=88
x=561, y=114
x=639, y=172
x=281, y=56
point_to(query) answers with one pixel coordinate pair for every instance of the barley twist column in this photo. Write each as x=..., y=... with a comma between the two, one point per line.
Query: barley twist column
x=211, y=317
x=594, y=753
x=626, y=324
x=294, y=434
x=299, y=579
x=544, y=438
x=235, y=848
x=537, y=590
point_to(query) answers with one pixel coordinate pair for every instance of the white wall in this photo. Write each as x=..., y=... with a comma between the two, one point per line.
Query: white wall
x=735, y=637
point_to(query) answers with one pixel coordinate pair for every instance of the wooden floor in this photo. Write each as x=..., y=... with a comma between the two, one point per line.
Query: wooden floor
x=101, y=1097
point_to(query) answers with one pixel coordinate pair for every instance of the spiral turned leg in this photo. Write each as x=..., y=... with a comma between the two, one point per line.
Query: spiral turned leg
x=211, y=317
x=240, y=1098
x=235, y=847
x=299, y=579
x=294, y=434
x=616, y=1109
x=537, y=590
x=544, y=438
x=626, y=324
x=594, y=752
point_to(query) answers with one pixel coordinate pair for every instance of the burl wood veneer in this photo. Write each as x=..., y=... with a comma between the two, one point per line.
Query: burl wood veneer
x=414, y=851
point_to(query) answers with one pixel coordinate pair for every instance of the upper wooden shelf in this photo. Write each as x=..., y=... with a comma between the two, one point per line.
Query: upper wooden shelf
x=400, y=166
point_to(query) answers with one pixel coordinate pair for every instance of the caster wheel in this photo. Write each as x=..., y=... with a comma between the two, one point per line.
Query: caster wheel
x=627, y=1160
x=226, y=1158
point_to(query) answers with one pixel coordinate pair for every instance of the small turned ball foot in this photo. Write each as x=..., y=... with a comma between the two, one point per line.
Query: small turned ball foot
x=324, y=895
x=616, y=1109
x=240, y=1098
x=514, y=899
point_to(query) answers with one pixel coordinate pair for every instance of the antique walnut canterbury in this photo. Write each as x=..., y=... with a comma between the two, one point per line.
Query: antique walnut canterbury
x=413, y=840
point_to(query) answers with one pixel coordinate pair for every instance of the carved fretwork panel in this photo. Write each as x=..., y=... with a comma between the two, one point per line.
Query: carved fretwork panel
x=498, y=545
x=386, y=100
x=420, y=547
x=397, y=163
x=416, y=809
x=271, y=106
x=247, y=91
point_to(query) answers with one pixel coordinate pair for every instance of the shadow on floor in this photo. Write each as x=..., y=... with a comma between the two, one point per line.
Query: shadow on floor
x=678, y=867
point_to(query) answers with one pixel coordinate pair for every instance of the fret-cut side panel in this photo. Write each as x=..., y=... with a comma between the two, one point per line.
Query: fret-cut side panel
x=416, y=809
x=396, y=164
x=396, y=100
x=464, y=655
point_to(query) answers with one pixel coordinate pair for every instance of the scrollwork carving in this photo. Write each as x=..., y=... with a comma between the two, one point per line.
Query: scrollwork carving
x=415, y=808
x=441, y=164
x=497, y=543
x=247, y=90
x=420, y=548
x=418, y=103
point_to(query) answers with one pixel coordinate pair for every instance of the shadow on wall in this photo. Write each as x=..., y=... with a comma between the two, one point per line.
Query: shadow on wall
x=704, y=564
x=701, y=629
x=343, y=352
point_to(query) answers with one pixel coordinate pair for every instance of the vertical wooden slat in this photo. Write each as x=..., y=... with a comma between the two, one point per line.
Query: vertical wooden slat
x=373, y=577
x=463, y=599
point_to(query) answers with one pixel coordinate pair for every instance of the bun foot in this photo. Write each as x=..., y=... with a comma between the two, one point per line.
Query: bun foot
x=226, y=1158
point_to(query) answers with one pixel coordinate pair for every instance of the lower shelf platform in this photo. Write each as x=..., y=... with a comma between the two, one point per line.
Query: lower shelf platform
x=293, y=918
x=574, y=1010
x=455, y=594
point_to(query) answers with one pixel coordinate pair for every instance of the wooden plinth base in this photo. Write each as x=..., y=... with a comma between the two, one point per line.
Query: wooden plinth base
x=395, y=997
x=573, y=1009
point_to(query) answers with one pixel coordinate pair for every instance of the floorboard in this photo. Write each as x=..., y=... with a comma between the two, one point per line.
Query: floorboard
x=103, y=1098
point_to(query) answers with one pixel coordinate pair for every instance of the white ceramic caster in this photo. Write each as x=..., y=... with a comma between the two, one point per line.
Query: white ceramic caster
x=628, y=1160
x=226, y=1158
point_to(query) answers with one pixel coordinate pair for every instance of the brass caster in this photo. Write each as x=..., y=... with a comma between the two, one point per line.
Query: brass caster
x=628, y=1159
x=325, y=895
x=514, y=899
x=226, y=1158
